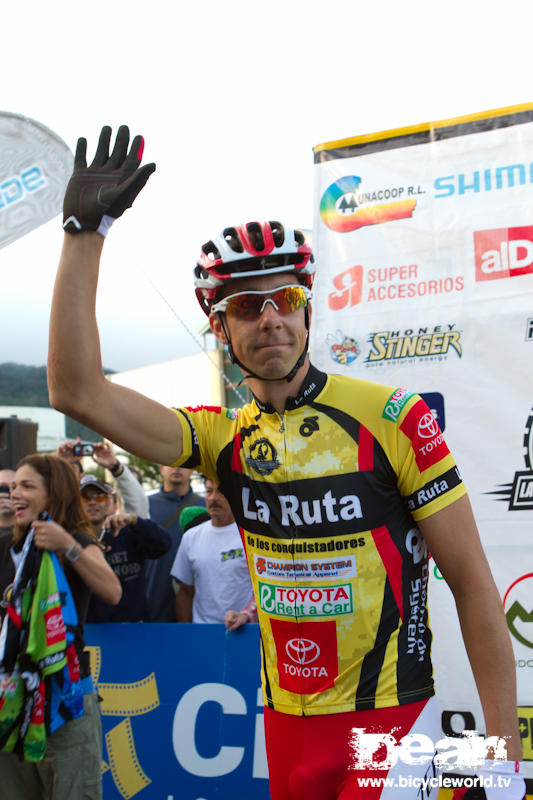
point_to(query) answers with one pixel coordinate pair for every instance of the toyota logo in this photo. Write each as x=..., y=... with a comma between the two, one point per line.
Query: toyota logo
x=428, y=427
x=302, y=651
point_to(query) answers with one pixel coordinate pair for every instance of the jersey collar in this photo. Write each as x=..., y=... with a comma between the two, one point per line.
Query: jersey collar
x=313, y=383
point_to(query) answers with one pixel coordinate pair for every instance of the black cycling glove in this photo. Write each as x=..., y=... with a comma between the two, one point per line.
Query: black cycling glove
x=97, y=194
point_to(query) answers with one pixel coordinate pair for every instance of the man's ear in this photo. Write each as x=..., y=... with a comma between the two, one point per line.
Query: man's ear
x=217, y=328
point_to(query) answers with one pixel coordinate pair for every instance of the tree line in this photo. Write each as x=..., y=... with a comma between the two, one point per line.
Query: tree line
x=22, y=385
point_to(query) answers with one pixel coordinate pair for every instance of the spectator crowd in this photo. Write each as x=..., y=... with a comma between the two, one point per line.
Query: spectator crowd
x=176, y=552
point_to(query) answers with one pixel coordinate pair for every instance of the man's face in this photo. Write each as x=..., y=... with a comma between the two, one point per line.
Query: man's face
x=98, y=505
x=217, y=506
x=176, y=479
x=7, y=512
x=271, y=344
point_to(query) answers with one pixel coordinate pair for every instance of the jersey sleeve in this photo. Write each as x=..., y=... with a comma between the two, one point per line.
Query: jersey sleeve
x=428, y=477
x=203, y=438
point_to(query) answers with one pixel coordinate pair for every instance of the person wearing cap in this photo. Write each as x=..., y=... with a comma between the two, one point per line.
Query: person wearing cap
x=132, y=495
x=341, y=488
x=128, y=541
x=210, y=564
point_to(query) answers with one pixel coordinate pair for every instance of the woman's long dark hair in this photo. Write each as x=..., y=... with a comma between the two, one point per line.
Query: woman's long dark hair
x=65, y=504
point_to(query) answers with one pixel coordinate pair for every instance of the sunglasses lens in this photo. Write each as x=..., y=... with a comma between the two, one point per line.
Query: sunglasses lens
x=245, y=306
x=94, y=498
x=290, y=299
x=250, y=305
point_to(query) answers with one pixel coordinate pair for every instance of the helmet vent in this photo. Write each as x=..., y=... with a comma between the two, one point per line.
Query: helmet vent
x=256, y=236
x=278, y=233
x=211, y=251
x=232, y=240
x=299, y=238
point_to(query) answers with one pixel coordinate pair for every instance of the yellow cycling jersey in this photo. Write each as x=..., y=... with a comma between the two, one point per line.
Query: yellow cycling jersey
x=326, y=497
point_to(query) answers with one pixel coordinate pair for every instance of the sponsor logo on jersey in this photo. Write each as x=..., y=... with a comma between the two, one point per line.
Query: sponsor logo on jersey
x=518, y=607
x=346, y=205
x=529, y=329
x=421, y=427
x=519, y=493
x=409, y=345
x=417, y=616
x=317, y=569
x=433, y=489
x=398, y=399
x=294, y=511
x=309, y=426
x=53, y=600
x=395, y=403
x=428, y=426
x=416, y=545
x=306, y=655
x=429, y=492
x=302, y=651
x=37, y=714
x=55, y=626
x=262, y=457
x=305, y=601
x=503, y=253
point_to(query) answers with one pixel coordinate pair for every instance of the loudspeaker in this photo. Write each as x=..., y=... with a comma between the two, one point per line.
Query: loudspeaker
x=18, y=438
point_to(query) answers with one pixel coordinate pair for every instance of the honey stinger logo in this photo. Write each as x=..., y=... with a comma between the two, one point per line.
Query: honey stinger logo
x=424, y=343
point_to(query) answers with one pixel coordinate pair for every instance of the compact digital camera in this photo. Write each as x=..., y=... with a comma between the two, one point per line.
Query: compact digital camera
x=83, y=449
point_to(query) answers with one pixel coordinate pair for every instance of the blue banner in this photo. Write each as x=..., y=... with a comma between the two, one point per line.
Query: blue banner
x=182, y=712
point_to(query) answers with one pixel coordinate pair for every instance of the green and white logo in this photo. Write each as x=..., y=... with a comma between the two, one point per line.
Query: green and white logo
x=395, y=403
x=306, y=601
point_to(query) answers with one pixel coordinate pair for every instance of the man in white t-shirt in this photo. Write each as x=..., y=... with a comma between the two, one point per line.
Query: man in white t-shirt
x=211, y=566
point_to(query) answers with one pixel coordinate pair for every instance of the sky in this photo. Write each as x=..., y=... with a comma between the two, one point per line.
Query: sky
x=231, y=97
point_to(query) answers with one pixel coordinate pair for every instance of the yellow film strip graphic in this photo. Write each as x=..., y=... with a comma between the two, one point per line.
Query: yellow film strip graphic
x=525, y=725
x=124, y=700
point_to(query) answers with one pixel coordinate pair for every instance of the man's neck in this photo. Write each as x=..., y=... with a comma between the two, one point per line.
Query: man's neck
x=179, y=490
x=276, y=393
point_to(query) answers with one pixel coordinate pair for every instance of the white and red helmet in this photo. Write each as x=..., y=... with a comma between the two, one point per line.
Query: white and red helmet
x=255, y=248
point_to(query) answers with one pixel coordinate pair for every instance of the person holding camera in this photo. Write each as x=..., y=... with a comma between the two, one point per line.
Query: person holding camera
x=134, y=499
x=128, y=541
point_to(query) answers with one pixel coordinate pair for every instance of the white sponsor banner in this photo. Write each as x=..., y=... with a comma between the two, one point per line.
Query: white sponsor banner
x=424, y=245
x=35, y=167
x=309, y=569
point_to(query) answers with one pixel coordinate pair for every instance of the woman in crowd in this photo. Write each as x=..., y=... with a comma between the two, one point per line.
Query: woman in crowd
x=71, y=768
